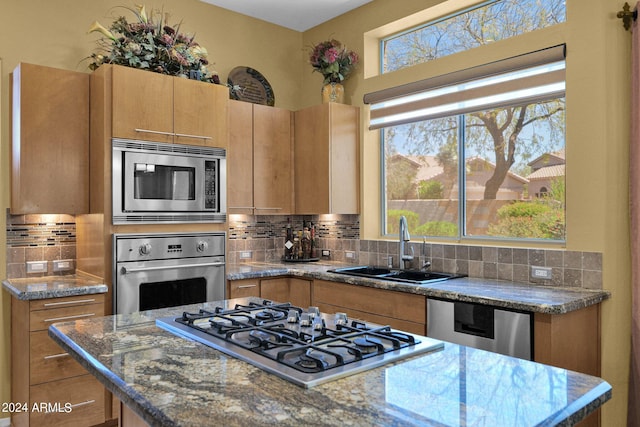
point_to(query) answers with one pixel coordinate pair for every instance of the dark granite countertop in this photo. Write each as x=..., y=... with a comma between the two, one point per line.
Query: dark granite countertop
x=34, y=288
x=517, y=296
x=171, y=381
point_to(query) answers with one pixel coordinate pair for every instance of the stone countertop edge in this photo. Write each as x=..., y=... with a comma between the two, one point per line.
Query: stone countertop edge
x=499, y=293
x=36, y=288
x=142, y=393
x=124, y=392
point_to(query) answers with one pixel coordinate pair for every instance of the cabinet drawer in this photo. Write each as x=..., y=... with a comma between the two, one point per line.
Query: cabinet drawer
x=77, y=401
x=402, y=325
x=41, y=319
x=50, y=303
x=396, y=305
x=244, y=288
x=49, y=362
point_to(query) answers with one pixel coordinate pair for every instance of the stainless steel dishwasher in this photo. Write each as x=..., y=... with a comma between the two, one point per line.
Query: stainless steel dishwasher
x=481, y=326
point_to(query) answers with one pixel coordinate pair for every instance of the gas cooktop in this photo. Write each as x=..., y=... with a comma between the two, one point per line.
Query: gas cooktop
x=303, y=346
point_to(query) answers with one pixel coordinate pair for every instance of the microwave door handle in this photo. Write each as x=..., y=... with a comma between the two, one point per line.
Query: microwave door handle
x=126, y=270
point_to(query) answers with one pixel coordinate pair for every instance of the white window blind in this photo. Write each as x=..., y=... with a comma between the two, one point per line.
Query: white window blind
x=527, y=78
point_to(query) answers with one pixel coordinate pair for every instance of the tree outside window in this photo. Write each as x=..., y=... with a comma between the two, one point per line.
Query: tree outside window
x=474, y=174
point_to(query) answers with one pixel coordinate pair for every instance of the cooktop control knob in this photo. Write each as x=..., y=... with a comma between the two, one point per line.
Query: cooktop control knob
x=145, y=249
x=202, y=246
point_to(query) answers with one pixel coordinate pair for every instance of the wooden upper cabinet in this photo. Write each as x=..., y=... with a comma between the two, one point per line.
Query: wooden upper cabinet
x=200, y=113
x=240, y=159
x=272, y=160
x=260, y=160
x=326, y=159
x=155, y=107
x=50, y=141
x=142, y=105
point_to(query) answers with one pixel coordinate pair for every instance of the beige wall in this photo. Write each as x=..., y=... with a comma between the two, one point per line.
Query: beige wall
x=597, y=140
x=53, y=34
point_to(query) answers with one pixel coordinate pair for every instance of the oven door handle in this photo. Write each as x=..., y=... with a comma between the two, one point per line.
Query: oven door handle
x=126, y=270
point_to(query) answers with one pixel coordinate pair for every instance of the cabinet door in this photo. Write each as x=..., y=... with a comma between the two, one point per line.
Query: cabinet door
x=400, y=310
x=300, y=292
x=50, y=141
x=240, y=159
x=276, y=290
x=326, y=159
x=199, y=113
x=142, y=105
x=272, y=160
x=287, y=289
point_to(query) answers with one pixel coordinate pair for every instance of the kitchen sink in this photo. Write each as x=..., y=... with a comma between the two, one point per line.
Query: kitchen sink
x=407, y=276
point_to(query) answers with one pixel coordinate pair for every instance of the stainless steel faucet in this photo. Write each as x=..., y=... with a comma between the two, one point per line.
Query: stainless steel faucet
x=404, y=237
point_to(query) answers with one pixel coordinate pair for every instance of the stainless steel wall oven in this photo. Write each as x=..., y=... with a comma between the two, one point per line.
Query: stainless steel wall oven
x=166, y=270
x=167, y=183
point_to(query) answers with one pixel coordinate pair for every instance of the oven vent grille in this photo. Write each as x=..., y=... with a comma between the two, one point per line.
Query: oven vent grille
x=164, y=219
x=159, y=147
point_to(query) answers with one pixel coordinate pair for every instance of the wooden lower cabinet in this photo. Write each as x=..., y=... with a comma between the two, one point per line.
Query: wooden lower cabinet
x=58, y=391
x=243, y=288
x=570, y=341
x=399, y=310
x=281, y=289
x=287, y=289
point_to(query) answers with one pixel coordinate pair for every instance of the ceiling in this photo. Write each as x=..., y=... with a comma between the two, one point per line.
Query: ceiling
x=299, y=15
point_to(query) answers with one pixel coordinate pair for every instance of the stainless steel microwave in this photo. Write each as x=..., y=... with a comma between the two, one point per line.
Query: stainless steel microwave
x=167, y=183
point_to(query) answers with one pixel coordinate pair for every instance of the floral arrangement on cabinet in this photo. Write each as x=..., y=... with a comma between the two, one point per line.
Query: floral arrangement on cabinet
x=333, y=60
x=153, y=45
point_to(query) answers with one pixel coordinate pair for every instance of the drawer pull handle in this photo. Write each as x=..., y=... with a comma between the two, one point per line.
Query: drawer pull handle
x=268, y=209
x=88, y=402
x=77, y=405
x=79, y=316
x=79, y=301
x=186, y=135
x=246, y=286
x=56, y=356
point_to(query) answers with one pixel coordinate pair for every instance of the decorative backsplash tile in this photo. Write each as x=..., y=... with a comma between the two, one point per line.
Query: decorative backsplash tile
x=39, y=238
x=261, y=238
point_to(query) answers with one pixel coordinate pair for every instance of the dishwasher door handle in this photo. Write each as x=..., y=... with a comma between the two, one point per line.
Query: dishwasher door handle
x=473, y=319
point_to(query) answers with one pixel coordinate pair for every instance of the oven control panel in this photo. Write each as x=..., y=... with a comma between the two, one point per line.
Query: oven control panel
x=136, y=247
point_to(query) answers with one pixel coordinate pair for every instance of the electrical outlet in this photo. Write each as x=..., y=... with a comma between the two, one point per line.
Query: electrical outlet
x=326, y=253
x=245, y=255
x=350, y=254
x=62, y=265
x=543, y=273
x=36, y=266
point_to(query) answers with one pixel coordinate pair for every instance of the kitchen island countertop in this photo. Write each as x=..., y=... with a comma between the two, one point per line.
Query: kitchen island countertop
x=500, y=293
x=170, y=381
